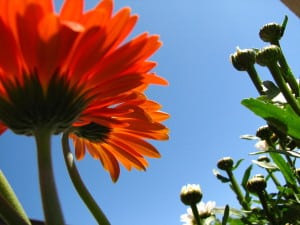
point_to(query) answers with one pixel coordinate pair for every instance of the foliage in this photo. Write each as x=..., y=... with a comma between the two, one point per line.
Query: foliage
x=278, y=142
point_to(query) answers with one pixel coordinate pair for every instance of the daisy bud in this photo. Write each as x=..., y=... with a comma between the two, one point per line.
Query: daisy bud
x=271, y=32
x=256, y=184
x=242, y=60
x=191, y=194
x=297, y=171
x=225, y=163
x=264, y=132
x=268, y=55
x=291, y=145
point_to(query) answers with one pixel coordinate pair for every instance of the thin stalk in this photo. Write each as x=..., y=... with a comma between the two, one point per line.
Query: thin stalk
x=263, y=200
x=237, y=191
x=276, y=73
x=255, y=79
x=287, y=72
x=274, y=179
x=196, y=214
x=79, y=184
x=51, y=206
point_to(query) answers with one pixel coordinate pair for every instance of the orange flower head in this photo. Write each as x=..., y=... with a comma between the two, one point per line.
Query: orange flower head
x=72, y=72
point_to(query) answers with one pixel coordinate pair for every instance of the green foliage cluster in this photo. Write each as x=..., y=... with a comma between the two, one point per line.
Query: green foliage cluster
x=279, y=105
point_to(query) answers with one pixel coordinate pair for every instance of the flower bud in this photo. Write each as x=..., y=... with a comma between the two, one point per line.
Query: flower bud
x=297, y=171
x=268, y=55
x=264, y=132
x=191, y=194
x=225, y=163
x=291, y=145
x=242, y=60
x=256, y=184
x=271, y=32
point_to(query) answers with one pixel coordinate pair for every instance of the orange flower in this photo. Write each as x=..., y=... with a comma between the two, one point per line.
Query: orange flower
x=72, y=72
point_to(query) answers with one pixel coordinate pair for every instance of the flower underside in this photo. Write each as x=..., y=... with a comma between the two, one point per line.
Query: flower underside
x=92, y=131
x=26, y=107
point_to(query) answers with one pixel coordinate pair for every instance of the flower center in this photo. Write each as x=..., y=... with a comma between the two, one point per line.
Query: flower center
x=26, y=108
x=93, y=132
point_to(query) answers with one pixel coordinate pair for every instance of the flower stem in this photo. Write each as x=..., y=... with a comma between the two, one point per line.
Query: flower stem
x=276, y=73
x=79, y=184
x=196, y=214
x=263, y=200
x=274, y=179
x=52, y=210
x=255, y=79
x=287, y=72
x=11, y=210
x=237, y=190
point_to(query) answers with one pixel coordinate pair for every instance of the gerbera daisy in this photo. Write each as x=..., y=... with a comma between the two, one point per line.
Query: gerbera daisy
x=58, y=70
x=72, y=72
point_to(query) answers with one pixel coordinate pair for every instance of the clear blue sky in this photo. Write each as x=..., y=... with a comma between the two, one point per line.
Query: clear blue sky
x=206, y=115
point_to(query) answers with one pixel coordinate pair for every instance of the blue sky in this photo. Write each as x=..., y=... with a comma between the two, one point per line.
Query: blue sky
x=203, y=99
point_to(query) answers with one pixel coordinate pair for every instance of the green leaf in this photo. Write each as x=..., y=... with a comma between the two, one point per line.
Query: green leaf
x=237, y=164
x=11, y=209
x=284, y=119
x=220, y=177
x=246, y=177
x=272, y=90
x=283, y=25
x=283, y=167
x=226, y=215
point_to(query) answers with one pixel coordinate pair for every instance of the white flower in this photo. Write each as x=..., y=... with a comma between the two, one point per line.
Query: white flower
x=190, y=187
x=279, y=98
x=204, y=210
x=262, y=145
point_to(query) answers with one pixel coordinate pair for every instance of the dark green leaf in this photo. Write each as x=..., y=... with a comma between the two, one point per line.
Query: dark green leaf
x=283, y=25
x=283, y=167
x=246, y=176
x=284, y=119
x=272, y=90
x=237, y=164
x=225, y=215
x=220, y=177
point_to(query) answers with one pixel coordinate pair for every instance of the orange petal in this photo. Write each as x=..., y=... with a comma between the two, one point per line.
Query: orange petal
x=9, y=61
x=109, y=163
x=79, y=147
x=138, y=144
x=72, y=10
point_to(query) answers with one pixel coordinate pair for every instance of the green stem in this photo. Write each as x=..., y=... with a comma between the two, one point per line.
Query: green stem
x=287, y=72
x=263, y=200
x=237, y=191
x=255, y=79
x=274, y=179
x=51, y=206
x=196, y=214
x=79, y=184
x=276, y=73
x=10, y=208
